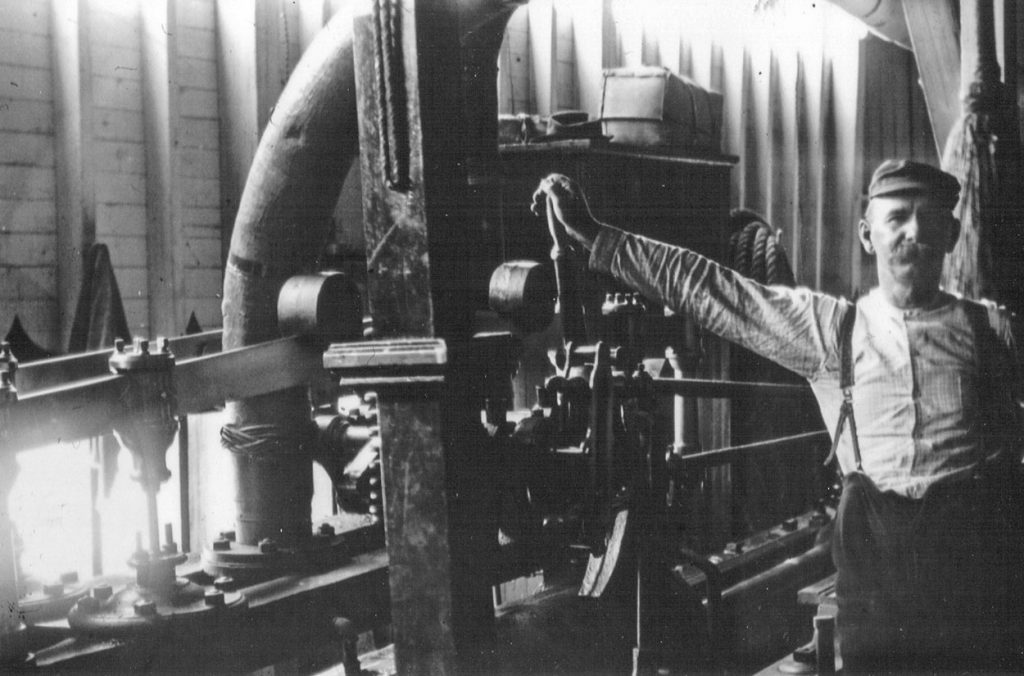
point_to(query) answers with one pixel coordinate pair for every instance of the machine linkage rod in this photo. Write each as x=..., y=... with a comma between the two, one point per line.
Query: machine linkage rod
x=89, y=407
x=723, y=456
x=724, y=389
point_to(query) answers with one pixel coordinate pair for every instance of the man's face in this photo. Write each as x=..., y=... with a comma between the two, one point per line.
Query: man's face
x=910, y=235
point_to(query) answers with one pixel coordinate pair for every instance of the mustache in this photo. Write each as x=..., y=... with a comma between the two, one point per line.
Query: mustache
x=909, y=252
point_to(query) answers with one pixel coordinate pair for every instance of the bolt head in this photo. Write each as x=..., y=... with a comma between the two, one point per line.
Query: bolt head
x=53, y=589
x=267, y=546
x=214, y=598
x=326, y=529
x=88, y=604
x=221, y=545
x=145, y=608
x=102, y=592
x=70, y=577
x=224, y=583
x=228, y=535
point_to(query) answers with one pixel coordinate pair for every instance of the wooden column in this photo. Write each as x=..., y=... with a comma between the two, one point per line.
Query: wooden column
x=418, y=239
x=76, y=188
x=161, y=121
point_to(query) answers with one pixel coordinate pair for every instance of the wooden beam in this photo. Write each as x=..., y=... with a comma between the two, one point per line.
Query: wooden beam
x=75, y=187
x=161, y=115
x=933, y=33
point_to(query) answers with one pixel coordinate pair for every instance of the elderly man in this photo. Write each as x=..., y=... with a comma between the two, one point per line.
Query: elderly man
x=921, y=390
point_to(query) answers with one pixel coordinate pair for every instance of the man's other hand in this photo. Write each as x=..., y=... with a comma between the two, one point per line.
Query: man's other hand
x=562, y=198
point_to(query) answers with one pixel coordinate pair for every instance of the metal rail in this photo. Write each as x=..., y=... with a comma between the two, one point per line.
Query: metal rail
x=724, y=389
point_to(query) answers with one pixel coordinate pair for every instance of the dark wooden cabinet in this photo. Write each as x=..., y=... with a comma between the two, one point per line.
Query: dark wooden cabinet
x=675, y=198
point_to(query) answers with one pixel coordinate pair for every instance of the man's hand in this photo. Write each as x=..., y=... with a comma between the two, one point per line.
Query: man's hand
x=563, y=200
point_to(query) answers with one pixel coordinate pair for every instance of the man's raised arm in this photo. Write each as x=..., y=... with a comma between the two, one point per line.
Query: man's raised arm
x=796, y=328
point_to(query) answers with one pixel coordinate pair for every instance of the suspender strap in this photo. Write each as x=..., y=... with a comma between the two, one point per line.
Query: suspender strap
x=846, y=383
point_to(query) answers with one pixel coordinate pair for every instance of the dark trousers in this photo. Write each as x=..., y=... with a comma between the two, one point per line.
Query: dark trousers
x=930, y=585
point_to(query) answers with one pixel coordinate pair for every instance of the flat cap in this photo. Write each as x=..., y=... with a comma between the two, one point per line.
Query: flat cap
x=893, y=177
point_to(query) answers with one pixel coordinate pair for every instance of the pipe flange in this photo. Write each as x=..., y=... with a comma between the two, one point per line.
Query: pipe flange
x=120, y=609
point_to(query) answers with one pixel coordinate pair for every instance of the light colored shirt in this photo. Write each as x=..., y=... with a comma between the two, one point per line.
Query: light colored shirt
x=917, y=375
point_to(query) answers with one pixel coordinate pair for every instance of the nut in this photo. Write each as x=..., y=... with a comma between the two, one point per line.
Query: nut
x=53, y=589
x=145, y=608
x=88, y=604
x=268, y=546
x=214, y=598
x=102, y=592
x=221, y=545
x=224, y=583
x=326, y=529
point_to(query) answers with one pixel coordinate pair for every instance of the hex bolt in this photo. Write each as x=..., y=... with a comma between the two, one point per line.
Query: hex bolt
x=53, y=589
x=165, y=344
x=267, y=546
x=214, y=598
x=144, y=346
x=221, y=545
x=102, y=592
x=170, y=546
x=119, y=344
x=228, y=535
x=326, y=529
x=145, y=608
x=224, y=583
x=88, y=604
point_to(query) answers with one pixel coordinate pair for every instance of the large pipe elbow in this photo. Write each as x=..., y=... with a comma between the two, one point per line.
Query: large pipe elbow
x=284, y=220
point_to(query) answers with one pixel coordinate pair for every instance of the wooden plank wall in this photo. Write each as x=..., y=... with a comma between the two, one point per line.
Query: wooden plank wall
x=118, y=125
x=28, y=180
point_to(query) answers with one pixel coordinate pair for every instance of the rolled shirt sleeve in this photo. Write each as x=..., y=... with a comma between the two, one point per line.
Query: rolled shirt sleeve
x=796, y=328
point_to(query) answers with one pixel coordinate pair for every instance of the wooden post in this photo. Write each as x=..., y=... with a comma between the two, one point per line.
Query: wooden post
x=76, y=188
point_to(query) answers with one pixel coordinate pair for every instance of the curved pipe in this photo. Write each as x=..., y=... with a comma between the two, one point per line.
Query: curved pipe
x=283, y=221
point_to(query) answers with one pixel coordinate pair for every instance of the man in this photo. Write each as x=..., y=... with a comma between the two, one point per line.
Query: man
x=926, y=540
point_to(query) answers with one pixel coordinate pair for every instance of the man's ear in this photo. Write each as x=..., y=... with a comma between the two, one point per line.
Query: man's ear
x=954, y=233
x=864, y=233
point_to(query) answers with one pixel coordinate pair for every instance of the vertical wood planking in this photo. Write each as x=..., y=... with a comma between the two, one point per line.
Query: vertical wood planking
x=565, y=93
x=118, y=149
x=542, y=53
x=595, y=46
x=161, y=117
x=757, y=168
x=515, y=84
x=805, y=243
x=933, y=33
x=198, y=161
x=840, y=260
x=784, y=185
x=237, y=94
x=75, y=193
